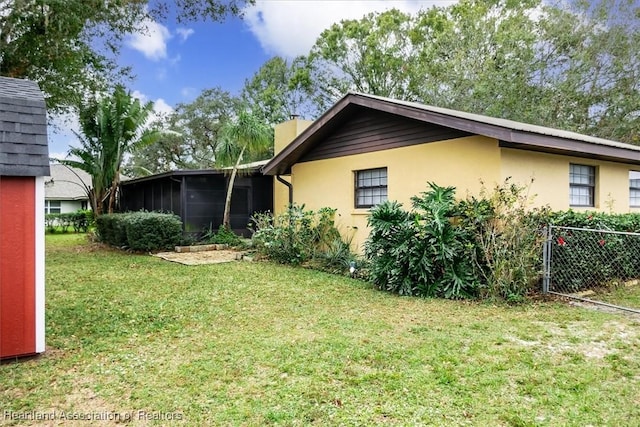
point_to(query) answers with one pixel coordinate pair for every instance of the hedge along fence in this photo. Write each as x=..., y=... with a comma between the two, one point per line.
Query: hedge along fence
x=628, y=222
x=140, y=231
x=591, y=251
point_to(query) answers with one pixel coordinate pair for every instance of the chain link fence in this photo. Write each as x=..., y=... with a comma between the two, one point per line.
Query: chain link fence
x=599, y=266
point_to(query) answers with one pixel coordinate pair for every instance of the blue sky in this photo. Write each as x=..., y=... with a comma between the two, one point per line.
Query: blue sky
x=173, y=63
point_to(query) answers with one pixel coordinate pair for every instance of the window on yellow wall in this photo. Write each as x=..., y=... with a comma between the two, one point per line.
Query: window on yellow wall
x=371, y=187
x=582, y=184
x=634, y=188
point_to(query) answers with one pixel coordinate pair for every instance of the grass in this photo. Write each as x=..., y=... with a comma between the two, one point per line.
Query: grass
x=262, y=344
x=626, y=296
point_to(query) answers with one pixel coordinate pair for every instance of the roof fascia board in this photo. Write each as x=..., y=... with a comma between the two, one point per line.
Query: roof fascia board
x=578, y=149
x=275, y=168
x=521, y=139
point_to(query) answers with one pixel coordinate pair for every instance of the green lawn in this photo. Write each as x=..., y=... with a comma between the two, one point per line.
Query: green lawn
x=261, y=344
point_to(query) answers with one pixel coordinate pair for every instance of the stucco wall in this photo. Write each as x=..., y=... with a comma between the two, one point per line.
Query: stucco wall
x=284, y=134
x=550, y=175
x=330, y=182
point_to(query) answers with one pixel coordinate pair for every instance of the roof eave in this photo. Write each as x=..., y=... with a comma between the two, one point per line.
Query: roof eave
x=534, y=139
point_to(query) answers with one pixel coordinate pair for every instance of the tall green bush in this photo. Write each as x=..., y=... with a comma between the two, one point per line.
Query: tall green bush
x=421, y=252
x=489, y=246
x=507, y=236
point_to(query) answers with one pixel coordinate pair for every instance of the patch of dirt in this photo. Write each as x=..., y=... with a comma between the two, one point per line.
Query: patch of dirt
x=200, y=258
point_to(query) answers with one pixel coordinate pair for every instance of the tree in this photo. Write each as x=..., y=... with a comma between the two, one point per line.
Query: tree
x=243, y=135
x=371, y=55
x=110, y=128
x=69, y=46
x=191, y=137
x=574, y=65
x=280, y=89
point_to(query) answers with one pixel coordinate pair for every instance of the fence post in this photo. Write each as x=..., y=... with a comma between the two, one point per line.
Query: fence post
x=546, y=260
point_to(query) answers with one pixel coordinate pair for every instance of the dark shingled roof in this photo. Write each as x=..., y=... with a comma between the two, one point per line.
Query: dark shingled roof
x=24, y=150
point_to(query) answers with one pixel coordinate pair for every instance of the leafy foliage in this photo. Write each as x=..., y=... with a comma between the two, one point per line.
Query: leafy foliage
x=191, y=138
x=280, y=89
x=420, y=252
x=223, y=236
x=245, y=134
x=140, y=231
x=299, y=236
x=150, y=231
x=80, y=221
x=110, y=127
x=628, y=222
x=572, y=65
x=70, y=47
x=585, y=259
x=506, y=239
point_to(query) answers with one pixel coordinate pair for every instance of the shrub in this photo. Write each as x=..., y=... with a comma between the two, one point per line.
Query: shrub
x=420, y=252
x=140, y=231
x=149, y=231
x=79, y=221
x=628, y=222
x=506, y=239
x=223, y=236
x=111, y=229
x=299, y=236
x=82, y=220
x=50, y=222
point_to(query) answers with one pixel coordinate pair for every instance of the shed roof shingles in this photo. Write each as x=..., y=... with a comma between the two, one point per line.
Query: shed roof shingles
x=24, y=147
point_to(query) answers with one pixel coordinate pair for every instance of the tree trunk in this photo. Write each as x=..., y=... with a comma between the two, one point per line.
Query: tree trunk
x=226, y=219
x=114, y=190
x=95, y=205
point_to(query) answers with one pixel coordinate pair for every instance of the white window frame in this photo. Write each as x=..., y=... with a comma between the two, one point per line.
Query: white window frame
x=582, y=185
x=370, y=187
x=634, y=189
x=48, y=206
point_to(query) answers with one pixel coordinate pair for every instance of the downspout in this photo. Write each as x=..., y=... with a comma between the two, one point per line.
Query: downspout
x=289, y=186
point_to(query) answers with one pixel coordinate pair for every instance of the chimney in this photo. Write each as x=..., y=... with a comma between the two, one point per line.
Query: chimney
x=288, y=131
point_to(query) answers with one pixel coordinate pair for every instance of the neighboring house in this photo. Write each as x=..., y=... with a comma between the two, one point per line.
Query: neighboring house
x=65, y=190
x=198, y=196
x=367, y=149
x=24, y=162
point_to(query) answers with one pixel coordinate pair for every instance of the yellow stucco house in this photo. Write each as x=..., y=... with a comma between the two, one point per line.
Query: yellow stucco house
x=367, y=149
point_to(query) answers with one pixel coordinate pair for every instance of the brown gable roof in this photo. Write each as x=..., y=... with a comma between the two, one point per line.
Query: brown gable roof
x=510, y=133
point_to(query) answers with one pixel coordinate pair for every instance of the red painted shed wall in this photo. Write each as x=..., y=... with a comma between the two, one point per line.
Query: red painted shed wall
x=17, y=266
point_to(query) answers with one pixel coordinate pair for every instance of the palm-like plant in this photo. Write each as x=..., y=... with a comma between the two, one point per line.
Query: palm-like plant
x=243, y=136
x=109, y=129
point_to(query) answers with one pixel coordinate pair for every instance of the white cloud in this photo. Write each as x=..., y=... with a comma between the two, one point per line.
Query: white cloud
x=150, y=39
x=160, y=106
x=184, y=33
x=290, y=27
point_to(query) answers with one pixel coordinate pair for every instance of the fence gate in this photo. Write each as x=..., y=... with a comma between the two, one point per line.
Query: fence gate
x=596, y=266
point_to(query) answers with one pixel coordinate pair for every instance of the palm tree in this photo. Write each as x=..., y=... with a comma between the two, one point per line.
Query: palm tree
x=109, y=129
x=243, y=136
